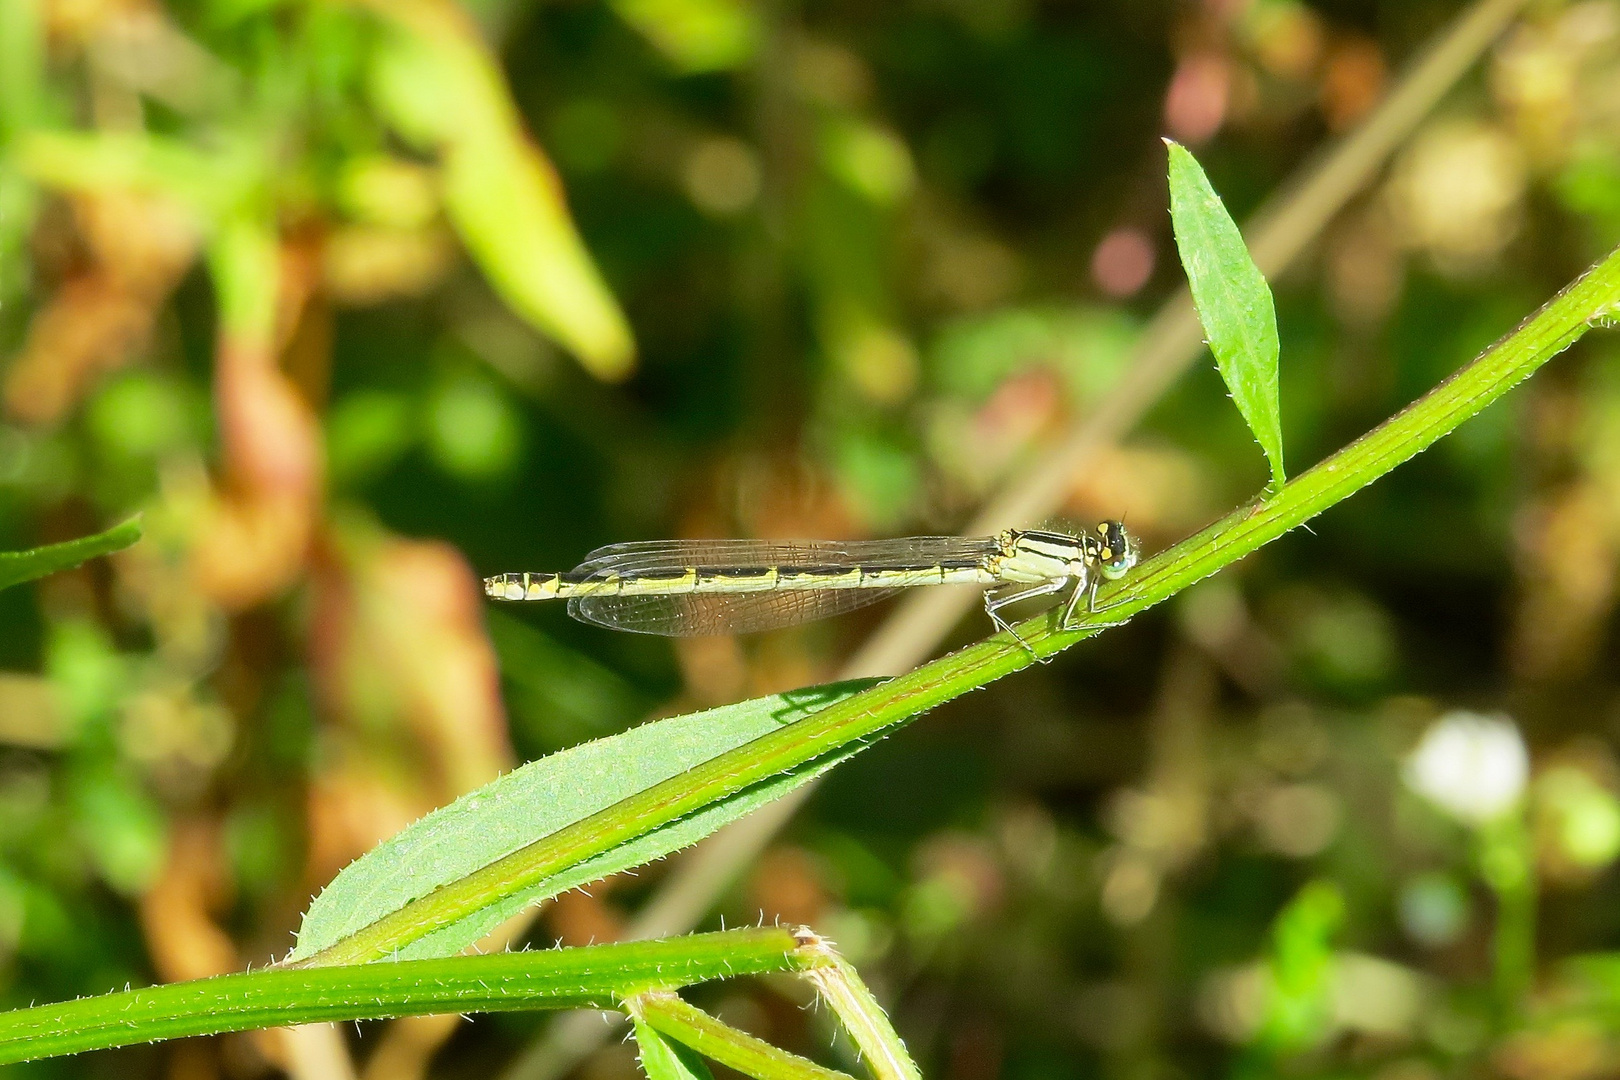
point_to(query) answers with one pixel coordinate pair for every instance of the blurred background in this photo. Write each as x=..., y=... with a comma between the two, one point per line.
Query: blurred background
x=358, y=301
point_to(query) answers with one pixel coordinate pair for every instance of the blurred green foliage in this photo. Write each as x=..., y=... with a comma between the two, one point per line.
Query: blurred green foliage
x=342, y=296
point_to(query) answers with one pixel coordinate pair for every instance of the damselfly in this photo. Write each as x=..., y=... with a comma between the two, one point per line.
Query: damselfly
x=682, y=588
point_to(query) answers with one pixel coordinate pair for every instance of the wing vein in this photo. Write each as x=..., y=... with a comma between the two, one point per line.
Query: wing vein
x=700, y=613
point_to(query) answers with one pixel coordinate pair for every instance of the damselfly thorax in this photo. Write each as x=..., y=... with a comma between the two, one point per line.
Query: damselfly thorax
x=684, y=588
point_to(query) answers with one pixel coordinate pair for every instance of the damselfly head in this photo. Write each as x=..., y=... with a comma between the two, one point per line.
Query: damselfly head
x=1117, y=551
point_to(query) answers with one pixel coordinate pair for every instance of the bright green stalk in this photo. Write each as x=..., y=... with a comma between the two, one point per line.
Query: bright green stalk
x=664, y=1059
x=885, y=707
x=669, y=1015
x=597, y=977
x=841, y=986
x=1589, y=300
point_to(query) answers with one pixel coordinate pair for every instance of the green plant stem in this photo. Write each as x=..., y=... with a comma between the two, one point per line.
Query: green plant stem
x=596, y=977
x=669, y=1015
x=1282, y=229
x=664, y=1059
x=868, y=1025
x=885, y=707
x=1559, y=324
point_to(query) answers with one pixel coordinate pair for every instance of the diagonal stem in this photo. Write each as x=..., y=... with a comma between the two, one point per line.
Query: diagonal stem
x=881, y=709
x=1279, y=232
x=1171, y=342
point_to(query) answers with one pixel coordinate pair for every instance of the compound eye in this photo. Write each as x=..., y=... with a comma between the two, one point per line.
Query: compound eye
x=1117, y=554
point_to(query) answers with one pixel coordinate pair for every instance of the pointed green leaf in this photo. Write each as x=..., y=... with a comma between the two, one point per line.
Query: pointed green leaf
x=1233, y=300
x=545, y=796
x=17, y=567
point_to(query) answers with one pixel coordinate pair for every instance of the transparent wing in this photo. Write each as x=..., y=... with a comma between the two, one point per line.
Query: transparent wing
x=701, y=614
x=697, y=614
x=651, y=555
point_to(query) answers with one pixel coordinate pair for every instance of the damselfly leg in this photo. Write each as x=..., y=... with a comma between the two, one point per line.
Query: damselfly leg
x=1001, y=596
x=1081, y=588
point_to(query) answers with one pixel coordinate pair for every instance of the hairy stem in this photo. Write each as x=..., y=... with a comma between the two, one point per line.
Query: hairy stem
x=597, y=977
x=669, y=1015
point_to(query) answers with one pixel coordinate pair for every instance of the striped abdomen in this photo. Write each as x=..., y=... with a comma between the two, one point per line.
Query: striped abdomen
x=734, y=579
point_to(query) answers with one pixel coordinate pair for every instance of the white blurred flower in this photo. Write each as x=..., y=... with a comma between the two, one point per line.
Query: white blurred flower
x=1473, y=767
